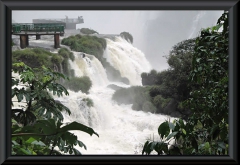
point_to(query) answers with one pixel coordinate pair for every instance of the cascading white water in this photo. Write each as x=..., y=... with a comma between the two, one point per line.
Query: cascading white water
x=121, y=130
x=130, y=61
x=89, y=66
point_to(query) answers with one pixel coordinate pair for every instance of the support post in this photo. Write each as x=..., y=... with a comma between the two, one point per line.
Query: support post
x=27, y=40
x=56, y=41
x=23, y=41
x=38, y=37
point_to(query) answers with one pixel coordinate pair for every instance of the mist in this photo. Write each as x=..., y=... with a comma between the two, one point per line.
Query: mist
x=154, y=32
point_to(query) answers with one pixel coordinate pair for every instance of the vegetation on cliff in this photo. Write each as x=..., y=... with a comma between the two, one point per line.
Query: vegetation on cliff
x=76, y=84
x=87, y=44
x=205, y=132
x=127, y=36
x=172, y=84
x=38, y=57
x=88, y=31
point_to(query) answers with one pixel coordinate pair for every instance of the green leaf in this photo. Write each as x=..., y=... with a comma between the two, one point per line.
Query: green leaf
x=152, y=146
x=76, y=152
x=26, y=152
x=46, y=126
x=149, y=148
x=15, y=143
x=163, y=129
x=145, y=147
x=14, y=121
x=78, y=126
x=171, y=135
x=20, y=97
x=81, y=144
x=181, y=123
x=217, y=27
x=207, y=146
x=222, y=145
x=184, y=132
x=30, y=140
x=39, y=143
x=198, y=59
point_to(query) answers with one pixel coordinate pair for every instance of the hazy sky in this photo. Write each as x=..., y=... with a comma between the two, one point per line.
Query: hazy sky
x=154, y=32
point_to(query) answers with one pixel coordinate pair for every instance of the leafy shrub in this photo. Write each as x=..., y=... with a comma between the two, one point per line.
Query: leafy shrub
x=206, y=131
x=149, y=78
x=149, y=107
x=87, y=44
x=87, y=31
x=158, y=101
x=172, y=83
x=89, y=102
x=79, y=84
x=135, y=95
x=65, y=53
x=160, y=90
x=127, y=36
x=65, y=66
x=136, y=106
x=71, y=56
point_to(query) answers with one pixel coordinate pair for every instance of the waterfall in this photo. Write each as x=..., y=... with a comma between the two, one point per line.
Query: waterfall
x=121, y=130
x=130, y=61
x=89, y=66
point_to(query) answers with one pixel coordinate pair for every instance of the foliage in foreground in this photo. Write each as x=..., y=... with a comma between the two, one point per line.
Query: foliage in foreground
x=89, y=102
x=37, y=125
x=206, y=131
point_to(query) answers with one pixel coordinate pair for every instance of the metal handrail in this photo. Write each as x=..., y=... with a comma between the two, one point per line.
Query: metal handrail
x=37, y=27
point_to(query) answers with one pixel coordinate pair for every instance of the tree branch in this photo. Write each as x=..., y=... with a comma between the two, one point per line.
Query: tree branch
x=32, y=134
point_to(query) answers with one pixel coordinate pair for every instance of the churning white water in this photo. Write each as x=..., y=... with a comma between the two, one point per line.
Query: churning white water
x=121, y=130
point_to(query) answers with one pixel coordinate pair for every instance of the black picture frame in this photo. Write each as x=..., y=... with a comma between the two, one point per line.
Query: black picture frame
x=6, y=6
